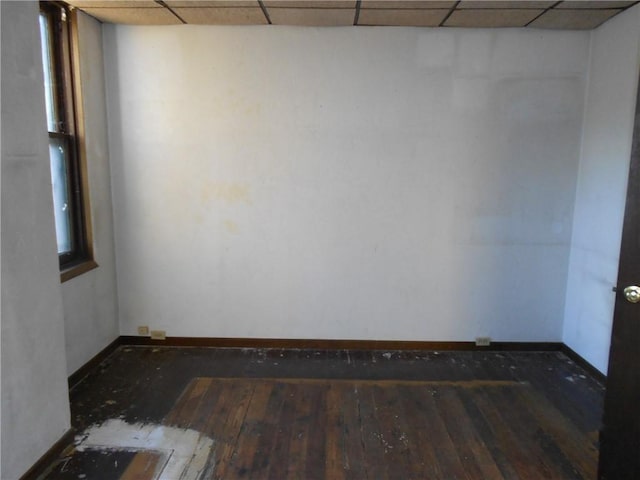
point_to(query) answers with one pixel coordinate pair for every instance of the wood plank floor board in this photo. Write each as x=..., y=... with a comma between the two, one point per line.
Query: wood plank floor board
x=518, y=452
x=584, y=396
x=300, y=432
x=253, y=428
x=278, y=464
x=488, y=434
x=334, y=438
x=441, y=455
x=188, y=405
x=143, y=466
x=580, y=455
x=421, y=440
x=346, y=396
x=316, y=454
x=406, y=461
x=269, y=427
x=447, y=453
x=376, y=447
x=565, y=385
x=206, y=406
x=528, y=434
x=225, y=443
x=345, y=414
x=473, y=452
x=552, y=446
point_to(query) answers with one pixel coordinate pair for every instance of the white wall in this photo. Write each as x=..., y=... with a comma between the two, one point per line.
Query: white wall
x=90, y=300
x=602, y=183
x=35, y=405
x=369, y=183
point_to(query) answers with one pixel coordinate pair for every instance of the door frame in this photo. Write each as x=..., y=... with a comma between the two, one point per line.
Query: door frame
x=620, y=434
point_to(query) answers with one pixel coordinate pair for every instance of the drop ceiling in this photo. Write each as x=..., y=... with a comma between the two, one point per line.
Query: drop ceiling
x=570, y=15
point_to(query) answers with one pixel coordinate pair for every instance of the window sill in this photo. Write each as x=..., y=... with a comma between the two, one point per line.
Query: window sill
x=77, y=270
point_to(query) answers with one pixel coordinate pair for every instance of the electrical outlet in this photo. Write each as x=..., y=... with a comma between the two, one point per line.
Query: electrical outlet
x=483, y=341
x=143, y=330
x=158, y=335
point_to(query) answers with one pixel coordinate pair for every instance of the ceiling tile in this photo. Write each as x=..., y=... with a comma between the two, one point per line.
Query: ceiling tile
x=212, y=3
x=324, y=17
x=114, y=4
x=402, y=17
x=134, y=16
x=310, y=4
x=488, y=18
x=573, y=19
x=222, y=16
x=503, y=5
x=594, y=4
x=412, y=4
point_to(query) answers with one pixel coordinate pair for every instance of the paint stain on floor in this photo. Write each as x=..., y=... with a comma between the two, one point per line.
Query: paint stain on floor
x=118, y=450
x=170, y=413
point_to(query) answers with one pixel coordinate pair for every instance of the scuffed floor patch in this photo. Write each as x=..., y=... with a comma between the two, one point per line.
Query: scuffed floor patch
x=180, y=454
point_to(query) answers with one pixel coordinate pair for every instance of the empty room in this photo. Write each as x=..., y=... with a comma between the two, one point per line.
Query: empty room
x=344, y=239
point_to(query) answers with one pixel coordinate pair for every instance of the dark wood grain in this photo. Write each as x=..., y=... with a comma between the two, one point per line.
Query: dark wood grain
x=349, y=414
x=383, y=429
x=143, y=466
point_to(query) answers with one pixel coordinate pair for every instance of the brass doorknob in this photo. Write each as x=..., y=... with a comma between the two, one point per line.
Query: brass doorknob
x=632, y=294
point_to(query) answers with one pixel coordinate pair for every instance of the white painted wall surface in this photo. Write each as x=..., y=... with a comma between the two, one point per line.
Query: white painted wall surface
x=602, y=185
x=35, y=402
x=90, y=300
x=392, y=183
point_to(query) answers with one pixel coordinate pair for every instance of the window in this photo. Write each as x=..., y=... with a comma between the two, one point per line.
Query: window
x=66, y=169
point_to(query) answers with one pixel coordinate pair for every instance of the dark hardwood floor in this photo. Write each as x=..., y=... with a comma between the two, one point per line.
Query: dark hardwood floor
x=171, y=413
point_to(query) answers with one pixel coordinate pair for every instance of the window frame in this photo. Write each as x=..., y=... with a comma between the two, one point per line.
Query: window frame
x=63, y=48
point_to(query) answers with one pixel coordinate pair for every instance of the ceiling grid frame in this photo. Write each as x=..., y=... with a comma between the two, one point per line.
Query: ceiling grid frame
x=547, y=14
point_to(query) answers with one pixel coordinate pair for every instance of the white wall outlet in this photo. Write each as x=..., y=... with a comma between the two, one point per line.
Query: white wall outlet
x=483, y=341
x=158, y=335
x=143, y=330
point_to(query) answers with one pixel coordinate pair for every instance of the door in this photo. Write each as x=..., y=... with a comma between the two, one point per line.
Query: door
x=620, y=435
